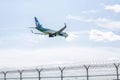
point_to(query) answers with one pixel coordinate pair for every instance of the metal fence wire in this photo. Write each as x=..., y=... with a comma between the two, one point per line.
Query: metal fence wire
x=74, y=72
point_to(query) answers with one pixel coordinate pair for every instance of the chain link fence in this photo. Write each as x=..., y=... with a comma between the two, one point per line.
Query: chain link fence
x=74, y=72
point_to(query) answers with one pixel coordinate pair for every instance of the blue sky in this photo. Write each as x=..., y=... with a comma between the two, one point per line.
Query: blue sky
x=93, y=27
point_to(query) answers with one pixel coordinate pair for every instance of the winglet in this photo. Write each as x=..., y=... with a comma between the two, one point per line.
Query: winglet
x=61, y=29
x=65, y=24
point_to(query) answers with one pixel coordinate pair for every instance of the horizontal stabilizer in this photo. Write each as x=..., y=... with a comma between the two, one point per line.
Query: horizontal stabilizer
x=32, y=27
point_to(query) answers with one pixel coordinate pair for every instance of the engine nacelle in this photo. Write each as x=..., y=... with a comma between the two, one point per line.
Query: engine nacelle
x=51, y=35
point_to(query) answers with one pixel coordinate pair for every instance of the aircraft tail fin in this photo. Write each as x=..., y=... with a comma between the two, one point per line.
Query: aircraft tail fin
x=37, y=22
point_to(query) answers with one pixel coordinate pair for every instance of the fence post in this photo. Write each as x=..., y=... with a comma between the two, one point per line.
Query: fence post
x=39, y=73
x=5, y=73
x=117, y=71
x=87, y=72
x=61, y=70
x=20, y=71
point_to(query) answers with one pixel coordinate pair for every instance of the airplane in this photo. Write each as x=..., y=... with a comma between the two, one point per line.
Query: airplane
x=45, y=31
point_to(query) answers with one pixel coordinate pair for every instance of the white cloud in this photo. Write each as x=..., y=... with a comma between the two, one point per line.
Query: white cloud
x=103, y=36
x=115, y=8
x=78, y=18
x=102, y=22
x=73, y=17
x=26, y=37
x=53, y=55
x=71, y=36
x=110, y=24
x=74, y=35
x=106, y=23
x=98, y=20
x=32, y=38
x=89, y=11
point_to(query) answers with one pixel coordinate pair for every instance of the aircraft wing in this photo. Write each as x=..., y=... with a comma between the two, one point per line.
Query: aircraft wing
x=61, y=29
